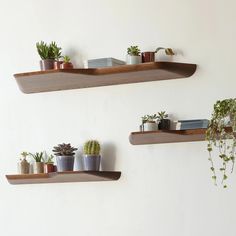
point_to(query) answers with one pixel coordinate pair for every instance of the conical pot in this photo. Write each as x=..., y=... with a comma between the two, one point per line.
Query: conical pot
x=65, y=163
x=91, y=162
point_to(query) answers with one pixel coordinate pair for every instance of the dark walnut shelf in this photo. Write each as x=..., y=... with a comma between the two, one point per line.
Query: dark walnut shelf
x=169, y=136
x=55, y=80
x=63, y=177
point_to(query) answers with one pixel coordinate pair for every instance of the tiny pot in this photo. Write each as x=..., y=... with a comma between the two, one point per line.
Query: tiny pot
x=48, y=167
x=164, y=124
x=57, y=64
x=65, y=163
x=47, y=64
x=38, y=167
x=66, y=65
x=91, y=162
x=148, y=57
x=132, y=60
x=150, y=126
x=23, y=167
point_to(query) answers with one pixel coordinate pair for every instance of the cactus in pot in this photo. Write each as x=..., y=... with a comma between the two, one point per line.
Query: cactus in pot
x=64, y=157
x=91, y=157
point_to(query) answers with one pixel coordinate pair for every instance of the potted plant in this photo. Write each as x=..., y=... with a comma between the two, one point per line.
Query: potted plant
x=23, y=165
x=133, y=55
x=57, y=55
x=64, y=157
x=150, y=56
x=66, y=64
x=221, y=135
x=149, y=123
x=46, y=53
x=164, y=123
x=48, y=163
x=91, y=157
x=39, y=164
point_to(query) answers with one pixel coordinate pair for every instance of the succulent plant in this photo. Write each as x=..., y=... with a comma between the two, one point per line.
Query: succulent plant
x=162, y=115
x=133, y=51
x=66, y=59
x=168, y=51
x=45, y=51
x=48, y=158
x=64, y=150
x=38, y=156
x=92, y=147
x=56, y=51
x=24, y=154
x=149, y=118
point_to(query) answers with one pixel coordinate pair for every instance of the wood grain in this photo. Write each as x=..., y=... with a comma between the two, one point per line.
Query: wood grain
x=63, y=177
x=55, y=80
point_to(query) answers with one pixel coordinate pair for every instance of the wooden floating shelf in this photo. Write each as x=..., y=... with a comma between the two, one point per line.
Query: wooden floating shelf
x=168, y=136
x=55, y=80
x=63, y=177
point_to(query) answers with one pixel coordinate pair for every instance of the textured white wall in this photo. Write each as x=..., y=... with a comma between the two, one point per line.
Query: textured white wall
x=165, y=189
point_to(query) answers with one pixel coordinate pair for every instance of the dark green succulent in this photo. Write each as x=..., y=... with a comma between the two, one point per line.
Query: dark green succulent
x=133, y=51
x=38, y=156
x=64, y=150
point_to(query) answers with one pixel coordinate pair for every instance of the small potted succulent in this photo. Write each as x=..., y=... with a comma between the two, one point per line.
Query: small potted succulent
x=46, y=53
x=24, y=165
x=57, y=55
x=66, y=64
x=221, y=134
x=91, y=157
x=133, y=55
x=48, y=163
x=39, y=164
x=164, y=123
x=149, y=123
x=150, y=56
x=65, y=157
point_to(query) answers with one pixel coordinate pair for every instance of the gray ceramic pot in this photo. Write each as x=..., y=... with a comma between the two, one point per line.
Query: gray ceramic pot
x=91, y=162
x=47, y=64
x=65, y=163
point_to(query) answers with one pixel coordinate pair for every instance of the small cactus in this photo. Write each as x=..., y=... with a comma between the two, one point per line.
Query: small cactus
x=92, y=147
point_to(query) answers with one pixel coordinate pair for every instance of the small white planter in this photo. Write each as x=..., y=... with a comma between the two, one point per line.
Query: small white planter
x=132, y=60
x=150, y=126
x=38, y=167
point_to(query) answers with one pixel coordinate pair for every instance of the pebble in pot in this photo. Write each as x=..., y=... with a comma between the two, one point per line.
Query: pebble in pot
x=91, y=157
x=64, y=157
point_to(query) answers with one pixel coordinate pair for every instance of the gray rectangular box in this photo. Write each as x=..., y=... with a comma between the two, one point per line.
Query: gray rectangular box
x=104, y=62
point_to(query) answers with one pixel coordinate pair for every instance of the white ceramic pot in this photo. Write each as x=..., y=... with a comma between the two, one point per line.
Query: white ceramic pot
x=150, y=126
x=132, y=60
x=38, y=167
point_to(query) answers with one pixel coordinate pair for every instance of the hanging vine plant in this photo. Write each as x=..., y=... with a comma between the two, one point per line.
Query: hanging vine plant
x=221, y=135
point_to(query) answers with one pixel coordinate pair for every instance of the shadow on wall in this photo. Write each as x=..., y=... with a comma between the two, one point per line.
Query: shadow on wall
x=107, y=161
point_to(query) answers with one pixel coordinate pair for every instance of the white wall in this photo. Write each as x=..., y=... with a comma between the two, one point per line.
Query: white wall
x=165, y=189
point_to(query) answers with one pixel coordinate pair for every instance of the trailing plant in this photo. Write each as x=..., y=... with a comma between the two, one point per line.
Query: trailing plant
x=45, y=51
x=149, y=118
x=133, y=51
x=66, y=59
x=38, y=156
x=64, y=150
x=56, y=51
x=162, y=115
x=92, y=147
x=24, y=155
x=221, y=135
x=168, y=51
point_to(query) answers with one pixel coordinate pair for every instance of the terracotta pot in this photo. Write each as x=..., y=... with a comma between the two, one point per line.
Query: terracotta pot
x=49, y=167
x=57, y=64
x=67, y=65
x=38, y=167
x=47, y=64
x=23, y=167
x=148, y=57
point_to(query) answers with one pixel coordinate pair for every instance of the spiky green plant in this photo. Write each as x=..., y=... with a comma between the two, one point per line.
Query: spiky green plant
x=64, y=150
x=45, y=51
x=92, y=147
x=149, y=118
x=162, y=115
x=38, y=156
x=66, y=59
x=56, y=50
x=48, y=159
x=168, y=51
x=133, y=51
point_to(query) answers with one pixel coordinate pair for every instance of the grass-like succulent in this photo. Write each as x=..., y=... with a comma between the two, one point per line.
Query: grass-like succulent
x=66, y=59
x=45, y=51
x=56, y=50
x=133, y=51
x=64, y=150
x=149, y=118
x=162, y=115
x=92, y=147
x=38, y=156
x=168, y=51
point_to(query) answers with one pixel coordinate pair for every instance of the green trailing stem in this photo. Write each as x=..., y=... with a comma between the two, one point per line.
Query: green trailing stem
x=92, y=147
